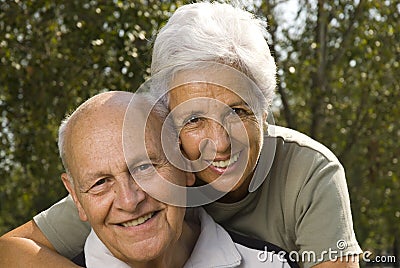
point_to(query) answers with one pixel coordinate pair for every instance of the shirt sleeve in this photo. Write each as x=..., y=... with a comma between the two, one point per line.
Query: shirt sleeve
x=324, y=225
x=63, y=228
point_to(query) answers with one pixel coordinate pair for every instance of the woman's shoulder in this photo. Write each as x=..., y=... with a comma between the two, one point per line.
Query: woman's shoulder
x=290, y=140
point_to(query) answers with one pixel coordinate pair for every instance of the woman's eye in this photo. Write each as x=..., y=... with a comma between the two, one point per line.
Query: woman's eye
x=192, y=120
x=238, y=111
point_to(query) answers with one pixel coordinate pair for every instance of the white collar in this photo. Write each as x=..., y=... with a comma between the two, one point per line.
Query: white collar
x=214, y=247
x=98, y=255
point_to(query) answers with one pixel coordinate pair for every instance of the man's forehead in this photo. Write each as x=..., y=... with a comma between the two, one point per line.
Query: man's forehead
x=99, y=122
x=141, y=133
x=139, y=120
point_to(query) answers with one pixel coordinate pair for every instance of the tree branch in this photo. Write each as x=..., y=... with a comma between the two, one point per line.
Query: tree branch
x=318, y=86
x=348, y=33
x=289, y=117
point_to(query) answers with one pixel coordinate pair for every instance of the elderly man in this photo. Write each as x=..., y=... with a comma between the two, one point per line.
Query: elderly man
x=104, y=157
x=134, y=227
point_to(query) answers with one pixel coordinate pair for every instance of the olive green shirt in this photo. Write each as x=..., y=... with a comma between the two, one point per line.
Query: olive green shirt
x=302, y=205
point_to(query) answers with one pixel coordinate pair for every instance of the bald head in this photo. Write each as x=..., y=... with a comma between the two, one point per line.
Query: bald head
x=102, y=117
x=98, y=106
x=101, y=104
x=94, y=111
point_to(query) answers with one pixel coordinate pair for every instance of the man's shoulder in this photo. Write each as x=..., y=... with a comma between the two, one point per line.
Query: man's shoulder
x=294, y=140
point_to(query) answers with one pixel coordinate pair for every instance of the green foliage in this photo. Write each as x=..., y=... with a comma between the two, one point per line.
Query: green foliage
x=338, y=82
x=339, y=75
x=54, y=55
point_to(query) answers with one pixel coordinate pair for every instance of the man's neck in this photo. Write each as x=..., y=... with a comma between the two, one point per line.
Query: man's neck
x=177, y=253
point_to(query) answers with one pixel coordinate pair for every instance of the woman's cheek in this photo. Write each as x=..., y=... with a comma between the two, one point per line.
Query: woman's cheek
x=190, y=146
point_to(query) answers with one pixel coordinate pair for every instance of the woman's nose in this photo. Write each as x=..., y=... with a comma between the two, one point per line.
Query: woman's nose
x=219, y=136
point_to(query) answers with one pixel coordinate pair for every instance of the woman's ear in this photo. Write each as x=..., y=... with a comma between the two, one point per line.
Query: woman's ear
x=67, y=180
x=264, y=117
x=264, y=122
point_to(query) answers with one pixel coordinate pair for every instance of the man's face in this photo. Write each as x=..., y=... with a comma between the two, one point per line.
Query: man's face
x=130, y=223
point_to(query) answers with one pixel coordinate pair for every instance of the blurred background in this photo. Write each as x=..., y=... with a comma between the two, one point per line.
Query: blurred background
x=338, y=81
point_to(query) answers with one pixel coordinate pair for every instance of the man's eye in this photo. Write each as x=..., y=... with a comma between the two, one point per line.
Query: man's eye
x=99, y=182
x=144, y=167
x=98, y=187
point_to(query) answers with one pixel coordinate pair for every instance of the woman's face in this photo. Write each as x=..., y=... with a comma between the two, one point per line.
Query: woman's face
x=221, y=132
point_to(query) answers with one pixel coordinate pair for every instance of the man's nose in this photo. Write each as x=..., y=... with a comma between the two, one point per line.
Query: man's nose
x=128, y=195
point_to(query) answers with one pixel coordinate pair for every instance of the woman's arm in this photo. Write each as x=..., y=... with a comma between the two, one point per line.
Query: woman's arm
x=26, y=246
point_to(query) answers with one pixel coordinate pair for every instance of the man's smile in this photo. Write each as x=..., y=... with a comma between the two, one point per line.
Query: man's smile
x=139, y=220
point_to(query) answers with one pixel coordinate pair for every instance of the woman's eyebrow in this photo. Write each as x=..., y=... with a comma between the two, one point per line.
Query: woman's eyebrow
x=186, y=113
x=238, y=103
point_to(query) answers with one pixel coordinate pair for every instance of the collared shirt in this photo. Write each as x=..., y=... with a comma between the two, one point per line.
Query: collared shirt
x=214, y=248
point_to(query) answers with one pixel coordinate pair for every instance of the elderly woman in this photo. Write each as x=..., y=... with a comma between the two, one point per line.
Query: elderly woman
x=212, y=67
x=209, y=54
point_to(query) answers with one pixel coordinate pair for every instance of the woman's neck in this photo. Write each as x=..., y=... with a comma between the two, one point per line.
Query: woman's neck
x=238, y=194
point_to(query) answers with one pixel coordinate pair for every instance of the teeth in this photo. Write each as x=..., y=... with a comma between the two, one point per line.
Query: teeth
x=223, y=164
x=138, y=221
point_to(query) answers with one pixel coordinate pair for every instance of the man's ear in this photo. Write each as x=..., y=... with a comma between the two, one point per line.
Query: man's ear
x=70, y=188
x=190, y=178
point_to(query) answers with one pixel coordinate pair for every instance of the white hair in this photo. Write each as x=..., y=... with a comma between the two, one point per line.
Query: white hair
x=61, y=146
x=214, y=32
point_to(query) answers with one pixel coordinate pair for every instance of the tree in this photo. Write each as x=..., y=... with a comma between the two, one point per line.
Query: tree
x=338, y=82
x=54, y=55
